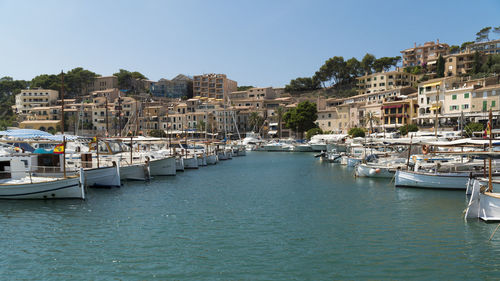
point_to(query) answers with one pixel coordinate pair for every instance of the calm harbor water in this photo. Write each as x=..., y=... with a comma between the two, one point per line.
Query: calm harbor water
x=266, y=216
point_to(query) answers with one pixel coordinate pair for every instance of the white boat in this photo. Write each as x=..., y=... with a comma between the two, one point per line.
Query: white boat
x=211, y=159
x=431, y=180
x=191, y=162
x=278, y=146
x=162, y=167
x=483, y=204
x=222, y=155
x=102, y=176
x=374, y=171
x=138, y=172
x=17, y=184
x=352, y=162
x=302, y=147
x=179, y=164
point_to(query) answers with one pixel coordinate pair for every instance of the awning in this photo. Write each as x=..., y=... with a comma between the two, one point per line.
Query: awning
x=431, y=62
x=272, y=132
x=432, y=84
x=434, y=108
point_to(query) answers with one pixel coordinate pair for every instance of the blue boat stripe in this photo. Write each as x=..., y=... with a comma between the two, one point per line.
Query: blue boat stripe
x=29, y=193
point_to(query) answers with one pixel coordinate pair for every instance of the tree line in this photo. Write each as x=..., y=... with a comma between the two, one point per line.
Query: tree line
x=339, y=73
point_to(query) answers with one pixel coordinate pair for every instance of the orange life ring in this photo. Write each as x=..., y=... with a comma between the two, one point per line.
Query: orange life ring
x=425, y=149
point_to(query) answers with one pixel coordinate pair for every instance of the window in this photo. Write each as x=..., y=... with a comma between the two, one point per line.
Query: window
x=465, y=106
x=485, y=105
x=374, y=78
x=466, y=95
x=454, y=97
x=329, y=124
x=493, y=103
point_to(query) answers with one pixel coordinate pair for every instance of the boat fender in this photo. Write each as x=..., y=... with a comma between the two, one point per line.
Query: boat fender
x=425, y=149
x=377, y=171
x=372, y=171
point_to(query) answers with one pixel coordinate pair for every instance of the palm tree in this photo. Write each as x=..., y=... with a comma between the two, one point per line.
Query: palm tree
x=254, y=120
x=280, y=111
x=370, y=118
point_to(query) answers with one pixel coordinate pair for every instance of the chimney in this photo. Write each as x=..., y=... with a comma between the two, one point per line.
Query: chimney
x=414, y=44
x=437, y=41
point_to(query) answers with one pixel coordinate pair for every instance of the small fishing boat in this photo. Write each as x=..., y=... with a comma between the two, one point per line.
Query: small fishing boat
x=431, y=180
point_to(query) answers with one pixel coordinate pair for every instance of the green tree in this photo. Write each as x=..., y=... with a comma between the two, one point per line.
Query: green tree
x=255, y=121
x=483, y=34
x=201, y=126
x=157, y=133
x=440, y=66
x=465, y=44
x=313, y=132
x=280, y=111
x=408, y=128
x=385, y=63
x=244, y=88
x=126, y=79
x=370, y=119
x=367, y=63
x=473, y=127
x=356, y=132
x=477, y=63
x=302, y=84
x=302, y=117
x=454, y=49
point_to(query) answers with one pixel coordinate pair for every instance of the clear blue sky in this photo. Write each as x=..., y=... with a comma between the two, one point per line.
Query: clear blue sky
x=259, y=43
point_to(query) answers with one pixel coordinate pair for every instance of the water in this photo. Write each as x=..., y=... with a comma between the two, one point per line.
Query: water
x=266, y=216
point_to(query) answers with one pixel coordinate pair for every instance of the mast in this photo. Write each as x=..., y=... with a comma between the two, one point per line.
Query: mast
x=62, y=106
x=107, y=124
x=436, y=109
x=119, y=115
x=490, y=185
x=136, y=118
x=64, y=156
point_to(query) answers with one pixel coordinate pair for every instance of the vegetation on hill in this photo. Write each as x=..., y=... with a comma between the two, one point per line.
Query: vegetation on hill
x=340, y=75
x=244, y=88
x=8, y=89
x=302, y=117
x=75, y=81
x=126, y=79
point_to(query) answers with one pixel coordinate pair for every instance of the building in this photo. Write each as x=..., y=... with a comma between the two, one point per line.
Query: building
x=28, y=99
x=101, y=83
x=460, y=63
x=216, y=86
x=383, y=81
x=399, y=111
x=420, y=55
x=328, y=120
x=180, y=86
x=489, y=47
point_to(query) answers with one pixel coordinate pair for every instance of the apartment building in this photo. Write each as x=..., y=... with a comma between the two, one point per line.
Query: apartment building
x=399, y=111
x=488, y=47
x=383, y=81
x=180, y=86
x=328, y=120
x=421, y=54
x=460, y=63
x=28, y=99
x=216, y=86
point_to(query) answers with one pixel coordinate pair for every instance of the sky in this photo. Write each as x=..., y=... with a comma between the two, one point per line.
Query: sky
x=260, y=42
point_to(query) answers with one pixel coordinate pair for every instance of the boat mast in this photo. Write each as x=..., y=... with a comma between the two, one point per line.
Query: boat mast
x=436, y=109
x=490, y=185
x=62, y=102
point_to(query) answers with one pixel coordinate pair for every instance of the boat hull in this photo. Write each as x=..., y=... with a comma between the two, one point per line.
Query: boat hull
x=104, y=176
x=318, y=147
x=373, y=171
x=211, y=159
x=438, y=181
x=138, y=172
x=179, y=164
x=70, y=188
x=163, y=167
x=190, y=163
